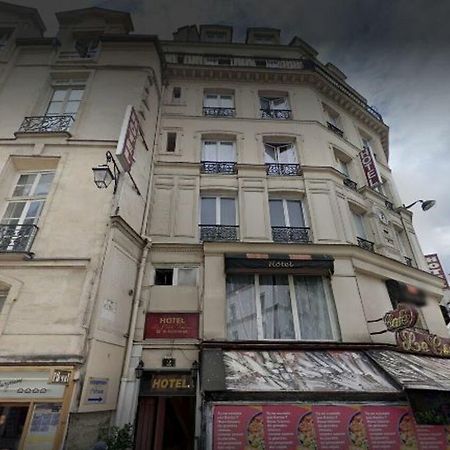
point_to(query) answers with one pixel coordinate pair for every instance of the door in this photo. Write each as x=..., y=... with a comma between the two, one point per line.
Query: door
x=12, y=423
x=165, y=423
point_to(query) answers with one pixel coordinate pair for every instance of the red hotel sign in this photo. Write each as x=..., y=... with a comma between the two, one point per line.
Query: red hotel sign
x=171, y=326
x=370, y=167
x=436, y=268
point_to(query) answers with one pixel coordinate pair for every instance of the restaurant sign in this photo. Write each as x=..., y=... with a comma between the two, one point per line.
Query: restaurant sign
x=167, y=383
x=404, y=316
x=171, y=326
x=417, y=340
x=370, y=167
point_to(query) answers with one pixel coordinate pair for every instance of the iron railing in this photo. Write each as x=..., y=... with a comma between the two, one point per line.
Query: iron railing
x=350, y=184
x=219, y=232
x=47, y=124
x=17, y=238
x=283, y=114
x=291, y=234
x=212, y=111
x=335, y=129
x=228, y=168
x=366, y=245
x=275, y=169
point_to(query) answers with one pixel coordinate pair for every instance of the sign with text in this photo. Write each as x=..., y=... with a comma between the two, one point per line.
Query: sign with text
x=416, y=340
x=322, y=426
x=370, y=167
x=435, y=267
x=126, y=145
x=167, y=383
x=171, y=326
x=97, y=390
x=404, y=316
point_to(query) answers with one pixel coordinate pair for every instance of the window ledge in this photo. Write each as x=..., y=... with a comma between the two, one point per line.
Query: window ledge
x=22, y=134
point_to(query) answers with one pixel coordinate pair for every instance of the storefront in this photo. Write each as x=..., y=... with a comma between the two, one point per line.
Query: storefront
x=34, y=405
x=328, y=399
x=166, y=410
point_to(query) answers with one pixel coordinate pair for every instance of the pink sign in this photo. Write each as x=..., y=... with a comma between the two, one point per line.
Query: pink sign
x=435, y=266
x=370, y=167
x=325, y=427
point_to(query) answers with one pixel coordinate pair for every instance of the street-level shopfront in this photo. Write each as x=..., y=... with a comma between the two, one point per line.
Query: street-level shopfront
x=34, y=406
x=324, y=399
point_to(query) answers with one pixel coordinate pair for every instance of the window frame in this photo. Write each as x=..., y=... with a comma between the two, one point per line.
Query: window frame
x=218, y=214
x=68, y=87
x=286, y=217
x=175, y=275
x=276, y=146
x=219, y=97
x=330, y=307
x=218, y=144
x=363, y=224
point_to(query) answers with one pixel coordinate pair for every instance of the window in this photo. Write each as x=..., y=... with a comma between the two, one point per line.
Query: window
x=358, y=222
x=367, y=142
x=286, y=213
x=176, y=276
x=176, y=93
x=5, y=35
x=343, y=167
x=171, y=143
x=333, y=120
x=218, y=60
x=65, y=101
x=23, y=210
x=274, y=103
x=211, y=100
x=279, y=307
x=3, y=295
x=87, y=47
x=283, y=153
x=218, y=211
x=220, y=151
x=263, y=38
x=216, y=36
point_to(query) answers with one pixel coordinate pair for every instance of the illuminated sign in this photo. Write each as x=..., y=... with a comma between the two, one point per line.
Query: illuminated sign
x=370, y=167
x=167, y=383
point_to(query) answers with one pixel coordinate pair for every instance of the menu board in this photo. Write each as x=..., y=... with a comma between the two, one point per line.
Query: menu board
x=323, y=426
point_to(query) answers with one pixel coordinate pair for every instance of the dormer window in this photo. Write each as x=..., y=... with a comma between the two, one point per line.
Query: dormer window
x=215, y=33
x=5, y=35
x=216, y=36
x=263, y=38
x=87, y=47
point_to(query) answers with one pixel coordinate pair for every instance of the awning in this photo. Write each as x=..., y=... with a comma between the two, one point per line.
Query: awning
x=405, y=293
x=274, y=263
x=293, y=371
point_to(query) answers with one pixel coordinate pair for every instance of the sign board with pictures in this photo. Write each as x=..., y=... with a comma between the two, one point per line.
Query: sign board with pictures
x=43, y=427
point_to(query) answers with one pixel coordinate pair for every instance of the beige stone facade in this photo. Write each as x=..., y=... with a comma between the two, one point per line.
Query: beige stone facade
x=246, y=149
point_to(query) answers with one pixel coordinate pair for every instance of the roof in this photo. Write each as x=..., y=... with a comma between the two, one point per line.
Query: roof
x=24, y=10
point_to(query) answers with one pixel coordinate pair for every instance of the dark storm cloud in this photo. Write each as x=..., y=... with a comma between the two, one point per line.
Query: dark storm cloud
x=396, y=52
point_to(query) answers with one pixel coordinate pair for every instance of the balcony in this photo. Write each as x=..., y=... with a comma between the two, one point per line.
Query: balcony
x=284, y=170
x=47, y=124
x=215, y=167
x=350, y=184
x=17, y=238
x=212, y=111
x=218, y=232
x=279, y=114
x=291, y=234
x=335, y=129
x=366, y=245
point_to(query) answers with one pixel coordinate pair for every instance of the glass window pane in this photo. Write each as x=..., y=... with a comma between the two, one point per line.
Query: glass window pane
x=226, y=101
x=209, y=151
x=276, y=213
x=24, y=185
x=59, y=95
x=295, y=213
x=359, y=225
x=241, y=308
x=270, y=154
x=76, y=94
x=72, y=107
x=34, y=210
x=264, y=102
x=227, y=211
x=276, y=307
x=211, y=100
x=313, y=314
x=14, y=210
x=44, y=184
x=55, y=108
x=279, y=103
x=226, y=151
x=344, y=167
x=208, y=211
x=287, y=154
x=187, y=277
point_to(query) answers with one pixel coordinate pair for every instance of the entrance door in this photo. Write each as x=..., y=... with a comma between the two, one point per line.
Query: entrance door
x=165, y=423
x=12, y=422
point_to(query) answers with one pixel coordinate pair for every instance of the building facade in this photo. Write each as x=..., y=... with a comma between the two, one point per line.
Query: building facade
x=237, y=281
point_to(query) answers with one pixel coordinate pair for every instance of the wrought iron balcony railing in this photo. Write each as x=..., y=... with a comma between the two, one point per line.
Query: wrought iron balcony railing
x=366, y=245
x=47, y=124
x=335, y=129
x=350, y=184
x=219, y=232
x=282, y=114
x=275, y=169
x=228, y=168
x=408, y=261
x=16, y=238
x=212, y=111
x=291, y=234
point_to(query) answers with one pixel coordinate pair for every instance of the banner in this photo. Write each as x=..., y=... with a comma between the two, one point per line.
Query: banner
x=370, y=167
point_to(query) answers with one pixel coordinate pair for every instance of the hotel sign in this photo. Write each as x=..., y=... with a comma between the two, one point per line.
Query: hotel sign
x=435, y=267
x=171, y=326
x=167, y=383
x=126, y=145
x=370, y=167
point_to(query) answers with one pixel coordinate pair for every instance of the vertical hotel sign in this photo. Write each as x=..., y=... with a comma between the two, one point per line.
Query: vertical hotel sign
x=435, y=267
x=370, y=167
x=127, y=140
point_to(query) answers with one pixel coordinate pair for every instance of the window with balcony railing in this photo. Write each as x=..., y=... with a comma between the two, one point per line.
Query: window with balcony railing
x=218, y=219
x=360, y=229
x=281, y=159
x=288, y=222
x=18, y=225
x=218, y=105
x=218, y=157
x=272, y=107
x=333, y=119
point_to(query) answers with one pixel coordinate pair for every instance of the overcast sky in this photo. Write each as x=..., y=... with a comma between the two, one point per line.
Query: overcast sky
x=395, y=52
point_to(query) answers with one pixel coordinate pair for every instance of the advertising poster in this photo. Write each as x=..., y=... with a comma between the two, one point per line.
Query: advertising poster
x=323, y=427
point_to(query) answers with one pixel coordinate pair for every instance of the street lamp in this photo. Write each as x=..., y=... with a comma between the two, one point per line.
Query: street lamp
x=139, y=370
x=103, y=174
x=426, y=204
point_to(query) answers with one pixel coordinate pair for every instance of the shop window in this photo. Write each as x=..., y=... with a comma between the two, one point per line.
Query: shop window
x=280, y=307
x=176, y=276
x=171, y=143
x=12, y=424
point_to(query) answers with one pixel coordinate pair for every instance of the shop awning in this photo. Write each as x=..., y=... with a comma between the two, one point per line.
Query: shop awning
x=274, y=263
x=289, y=371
